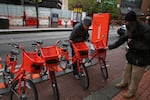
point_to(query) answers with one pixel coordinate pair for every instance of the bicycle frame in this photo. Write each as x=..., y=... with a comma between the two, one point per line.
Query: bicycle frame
x=11, y=64
x=100, y=49
x=100, y=54
x=20, y=74
x=76, y=58
x=81, y=52
x=50, y=55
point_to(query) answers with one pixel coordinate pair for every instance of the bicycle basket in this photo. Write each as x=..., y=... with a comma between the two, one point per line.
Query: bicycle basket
x=32, y=63
x=99, y=46
x=50, y=54
x=81, y=48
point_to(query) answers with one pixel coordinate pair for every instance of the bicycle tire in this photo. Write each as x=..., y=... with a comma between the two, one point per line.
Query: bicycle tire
x=27, y=93
x=84, y=77
x=54, y=85
x=44, y=74
x=7, y=79
x=103, y=68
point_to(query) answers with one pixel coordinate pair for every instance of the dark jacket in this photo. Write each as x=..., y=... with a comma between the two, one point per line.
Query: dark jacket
x=139, y=46
x=79, y=34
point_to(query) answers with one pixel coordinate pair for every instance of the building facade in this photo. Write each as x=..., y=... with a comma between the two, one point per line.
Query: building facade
x=141, y=7
x=64, y=4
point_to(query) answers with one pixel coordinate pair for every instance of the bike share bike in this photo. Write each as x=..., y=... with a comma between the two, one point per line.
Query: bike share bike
x=99, y=55
x=81, y=53
x=50, y=55
x=22, y=88
x=9, y=66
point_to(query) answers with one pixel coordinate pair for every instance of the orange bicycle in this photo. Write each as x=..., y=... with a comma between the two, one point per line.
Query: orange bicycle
x=9, y=67
x=64, y=62
x=100, y=55
x=81, y=53
x=22, y=88
x=37, y=45
x=50, y=54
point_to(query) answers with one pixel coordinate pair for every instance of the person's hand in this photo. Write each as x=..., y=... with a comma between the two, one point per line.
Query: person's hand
x=107, y=48
x=129, y=40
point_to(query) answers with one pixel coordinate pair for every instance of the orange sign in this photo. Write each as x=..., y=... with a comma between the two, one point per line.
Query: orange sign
x=100, y=28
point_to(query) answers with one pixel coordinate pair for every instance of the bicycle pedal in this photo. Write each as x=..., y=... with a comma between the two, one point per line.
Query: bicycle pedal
x=45, y=73
x=45, y=77
x=83, y=74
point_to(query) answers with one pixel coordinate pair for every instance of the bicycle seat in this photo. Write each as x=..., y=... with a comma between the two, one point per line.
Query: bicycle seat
x=14, y=52
x=39, y=42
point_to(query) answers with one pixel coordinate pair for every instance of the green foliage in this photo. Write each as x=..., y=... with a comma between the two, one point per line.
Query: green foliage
x=36, y=0
x=91, y=6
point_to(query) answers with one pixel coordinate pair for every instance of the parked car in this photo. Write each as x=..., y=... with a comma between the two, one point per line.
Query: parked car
x=121, y=30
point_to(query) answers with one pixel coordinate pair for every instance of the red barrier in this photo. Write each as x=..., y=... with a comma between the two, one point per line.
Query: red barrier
x=72, y=23
x=59, y=22
x=31, y=21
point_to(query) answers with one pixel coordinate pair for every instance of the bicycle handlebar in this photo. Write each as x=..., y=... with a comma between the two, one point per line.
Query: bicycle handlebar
x=37, y=43
x=16, y=45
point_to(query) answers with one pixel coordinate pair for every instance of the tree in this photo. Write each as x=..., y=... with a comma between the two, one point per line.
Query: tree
x=92, y=6
x=88, y=5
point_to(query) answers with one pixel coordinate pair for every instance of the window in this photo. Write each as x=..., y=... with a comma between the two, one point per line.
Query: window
x=131, y=3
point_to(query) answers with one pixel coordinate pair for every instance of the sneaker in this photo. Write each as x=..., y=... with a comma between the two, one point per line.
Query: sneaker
x=83, y=74
x=77, y=77
x=121, y=85
x=129, y=94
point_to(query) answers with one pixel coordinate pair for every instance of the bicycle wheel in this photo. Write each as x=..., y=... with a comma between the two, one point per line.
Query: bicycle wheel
x=28, y=91
x=103, y=68
x=44, y=74
x=54, y=85
x=84, y=77
x=7, y=78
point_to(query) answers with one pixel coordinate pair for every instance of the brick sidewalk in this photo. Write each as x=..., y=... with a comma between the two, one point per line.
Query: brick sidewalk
x=143, y=92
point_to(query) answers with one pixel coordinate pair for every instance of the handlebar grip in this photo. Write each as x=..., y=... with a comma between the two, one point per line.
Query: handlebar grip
x=16, y=45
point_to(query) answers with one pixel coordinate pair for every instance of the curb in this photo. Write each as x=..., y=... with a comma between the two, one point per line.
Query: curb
x=30, y=30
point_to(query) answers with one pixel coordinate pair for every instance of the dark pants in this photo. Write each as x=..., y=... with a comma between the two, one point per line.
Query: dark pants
x=75, y=63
